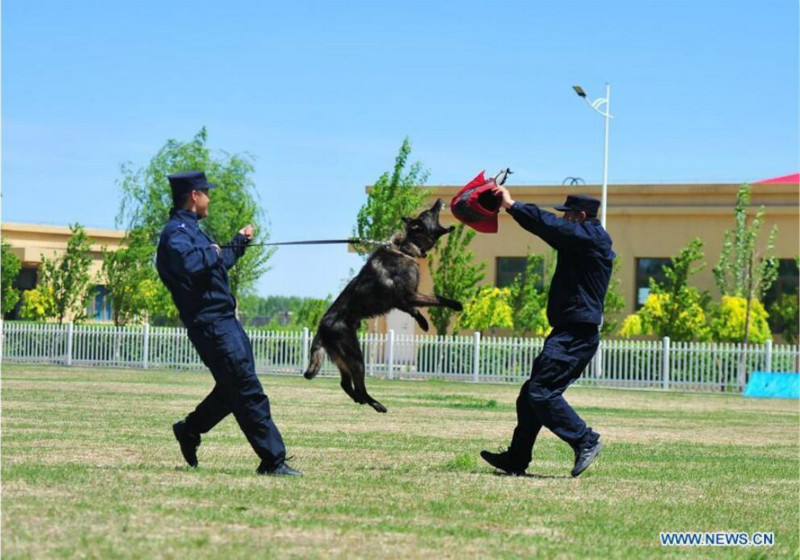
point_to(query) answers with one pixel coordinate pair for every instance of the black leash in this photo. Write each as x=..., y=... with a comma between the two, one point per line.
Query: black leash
x=351, y=240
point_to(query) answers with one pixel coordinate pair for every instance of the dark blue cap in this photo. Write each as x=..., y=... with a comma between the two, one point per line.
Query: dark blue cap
x=581, y=202
x=188, y=181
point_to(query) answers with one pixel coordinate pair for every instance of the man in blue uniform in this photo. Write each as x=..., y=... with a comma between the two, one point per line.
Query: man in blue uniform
x=195, y=270
x=575, y=311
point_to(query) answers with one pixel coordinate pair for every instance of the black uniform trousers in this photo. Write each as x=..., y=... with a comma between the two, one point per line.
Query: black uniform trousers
x=566, y=353
x=225, y=348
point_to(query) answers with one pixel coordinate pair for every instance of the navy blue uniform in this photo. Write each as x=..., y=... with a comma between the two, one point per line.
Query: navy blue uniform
x=575, y=311
x=196, y=275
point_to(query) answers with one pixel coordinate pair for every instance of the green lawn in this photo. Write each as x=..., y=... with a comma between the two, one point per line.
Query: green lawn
x=90, y=469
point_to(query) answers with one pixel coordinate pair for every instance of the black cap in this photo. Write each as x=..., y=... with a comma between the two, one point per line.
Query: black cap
x=188, y=181
x=581, y=202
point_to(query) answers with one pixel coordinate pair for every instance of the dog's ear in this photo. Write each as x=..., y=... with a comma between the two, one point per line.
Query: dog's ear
x=406, y=220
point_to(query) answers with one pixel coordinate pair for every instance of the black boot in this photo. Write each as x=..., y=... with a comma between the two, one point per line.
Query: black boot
x=585, y=456
x=504, y=461
x=281, y=469
x=188, y=441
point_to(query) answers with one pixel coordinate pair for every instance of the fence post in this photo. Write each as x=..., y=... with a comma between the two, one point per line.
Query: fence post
x=768, y=355
x=598, y=360
x=145, y=345
x=69, y=343
x=304, y=355
x=476, y=355
x=390, y=356
x=665, y=363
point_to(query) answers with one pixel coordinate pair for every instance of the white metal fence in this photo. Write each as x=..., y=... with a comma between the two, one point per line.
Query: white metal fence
x=619, y=363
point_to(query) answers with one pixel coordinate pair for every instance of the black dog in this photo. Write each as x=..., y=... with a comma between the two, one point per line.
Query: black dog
x=389, y=280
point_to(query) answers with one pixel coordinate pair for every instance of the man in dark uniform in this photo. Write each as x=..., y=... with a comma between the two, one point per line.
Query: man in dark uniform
x=575, y=311
x=195, y=270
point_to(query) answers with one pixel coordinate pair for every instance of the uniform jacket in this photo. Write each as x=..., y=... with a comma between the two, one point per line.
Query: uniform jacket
x=583, y=269
x=195, y=274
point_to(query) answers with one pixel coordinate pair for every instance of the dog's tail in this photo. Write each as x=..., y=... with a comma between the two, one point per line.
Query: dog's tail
x=315, y=362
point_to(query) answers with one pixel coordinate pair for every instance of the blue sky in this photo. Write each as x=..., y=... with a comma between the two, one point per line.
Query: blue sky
x=321, y=94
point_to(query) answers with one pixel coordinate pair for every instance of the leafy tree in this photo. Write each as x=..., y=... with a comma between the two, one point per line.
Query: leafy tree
x=787, y=315
x=161, y=309
x=310, y=313
x=737, y=273
x=614, y=301
x=130, y=278
x=487, y=310
x=632, y=326
x=38, y=304
x=10, y=270
x=258, y=311
x=455, y=274
x=147, y=200
x=528, y=298
x=729, y=319
x=393, y=196
x=64, y=282
x=743, y=270
x=674, y=308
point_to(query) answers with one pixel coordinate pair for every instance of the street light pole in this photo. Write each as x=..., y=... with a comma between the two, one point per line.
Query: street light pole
x=606, y=112
x=605, y=155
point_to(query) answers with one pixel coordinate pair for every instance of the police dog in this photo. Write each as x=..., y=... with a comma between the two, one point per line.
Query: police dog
x=389, y=280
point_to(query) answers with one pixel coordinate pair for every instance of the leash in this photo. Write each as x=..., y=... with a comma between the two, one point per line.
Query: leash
x=350, y=240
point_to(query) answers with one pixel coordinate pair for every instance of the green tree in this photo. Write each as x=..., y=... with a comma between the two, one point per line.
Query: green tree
x=488, y=310
x=455, y=274
x=614, y=301
x=528, y=298
x=785, y=312
x=38, y=304
x=787, y=315
x=730, y=316
x=10, y=270
x=743, y=270
x=161, y=309
x=310, y=313
x=393, y=196
x=146, y=200
x=64, y=282
x=130, y=278
x=673, y=308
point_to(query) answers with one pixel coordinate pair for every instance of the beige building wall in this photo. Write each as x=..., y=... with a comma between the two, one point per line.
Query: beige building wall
x=643, y=221
x=30, y=241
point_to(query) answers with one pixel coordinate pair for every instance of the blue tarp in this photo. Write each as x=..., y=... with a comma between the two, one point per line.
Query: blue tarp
x=774, y=385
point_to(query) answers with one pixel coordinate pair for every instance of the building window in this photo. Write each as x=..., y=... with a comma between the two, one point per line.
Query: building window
x=99, y=308
x=647, y=268
x=25, y=280
x=508, y=268
x=785, y=284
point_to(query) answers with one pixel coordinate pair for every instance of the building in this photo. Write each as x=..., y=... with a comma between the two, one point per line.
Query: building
x=649, y=223
x=30, y=242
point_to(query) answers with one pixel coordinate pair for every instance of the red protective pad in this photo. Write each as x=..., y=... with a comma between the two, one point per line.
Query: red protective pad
x=476, y=205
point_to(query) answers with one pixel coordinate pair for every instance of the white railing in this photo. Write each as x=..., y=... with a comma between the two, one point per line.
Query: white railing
x=692, y=366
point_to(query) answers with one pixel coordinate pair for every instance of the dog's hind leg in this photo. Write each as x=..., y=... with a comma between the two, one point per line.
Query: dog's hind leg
x=346, y=382
x=356, y=361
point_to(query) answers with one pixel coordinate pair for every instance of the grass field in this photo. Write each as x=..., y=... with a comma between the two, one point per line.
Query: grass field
x=90, y=469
